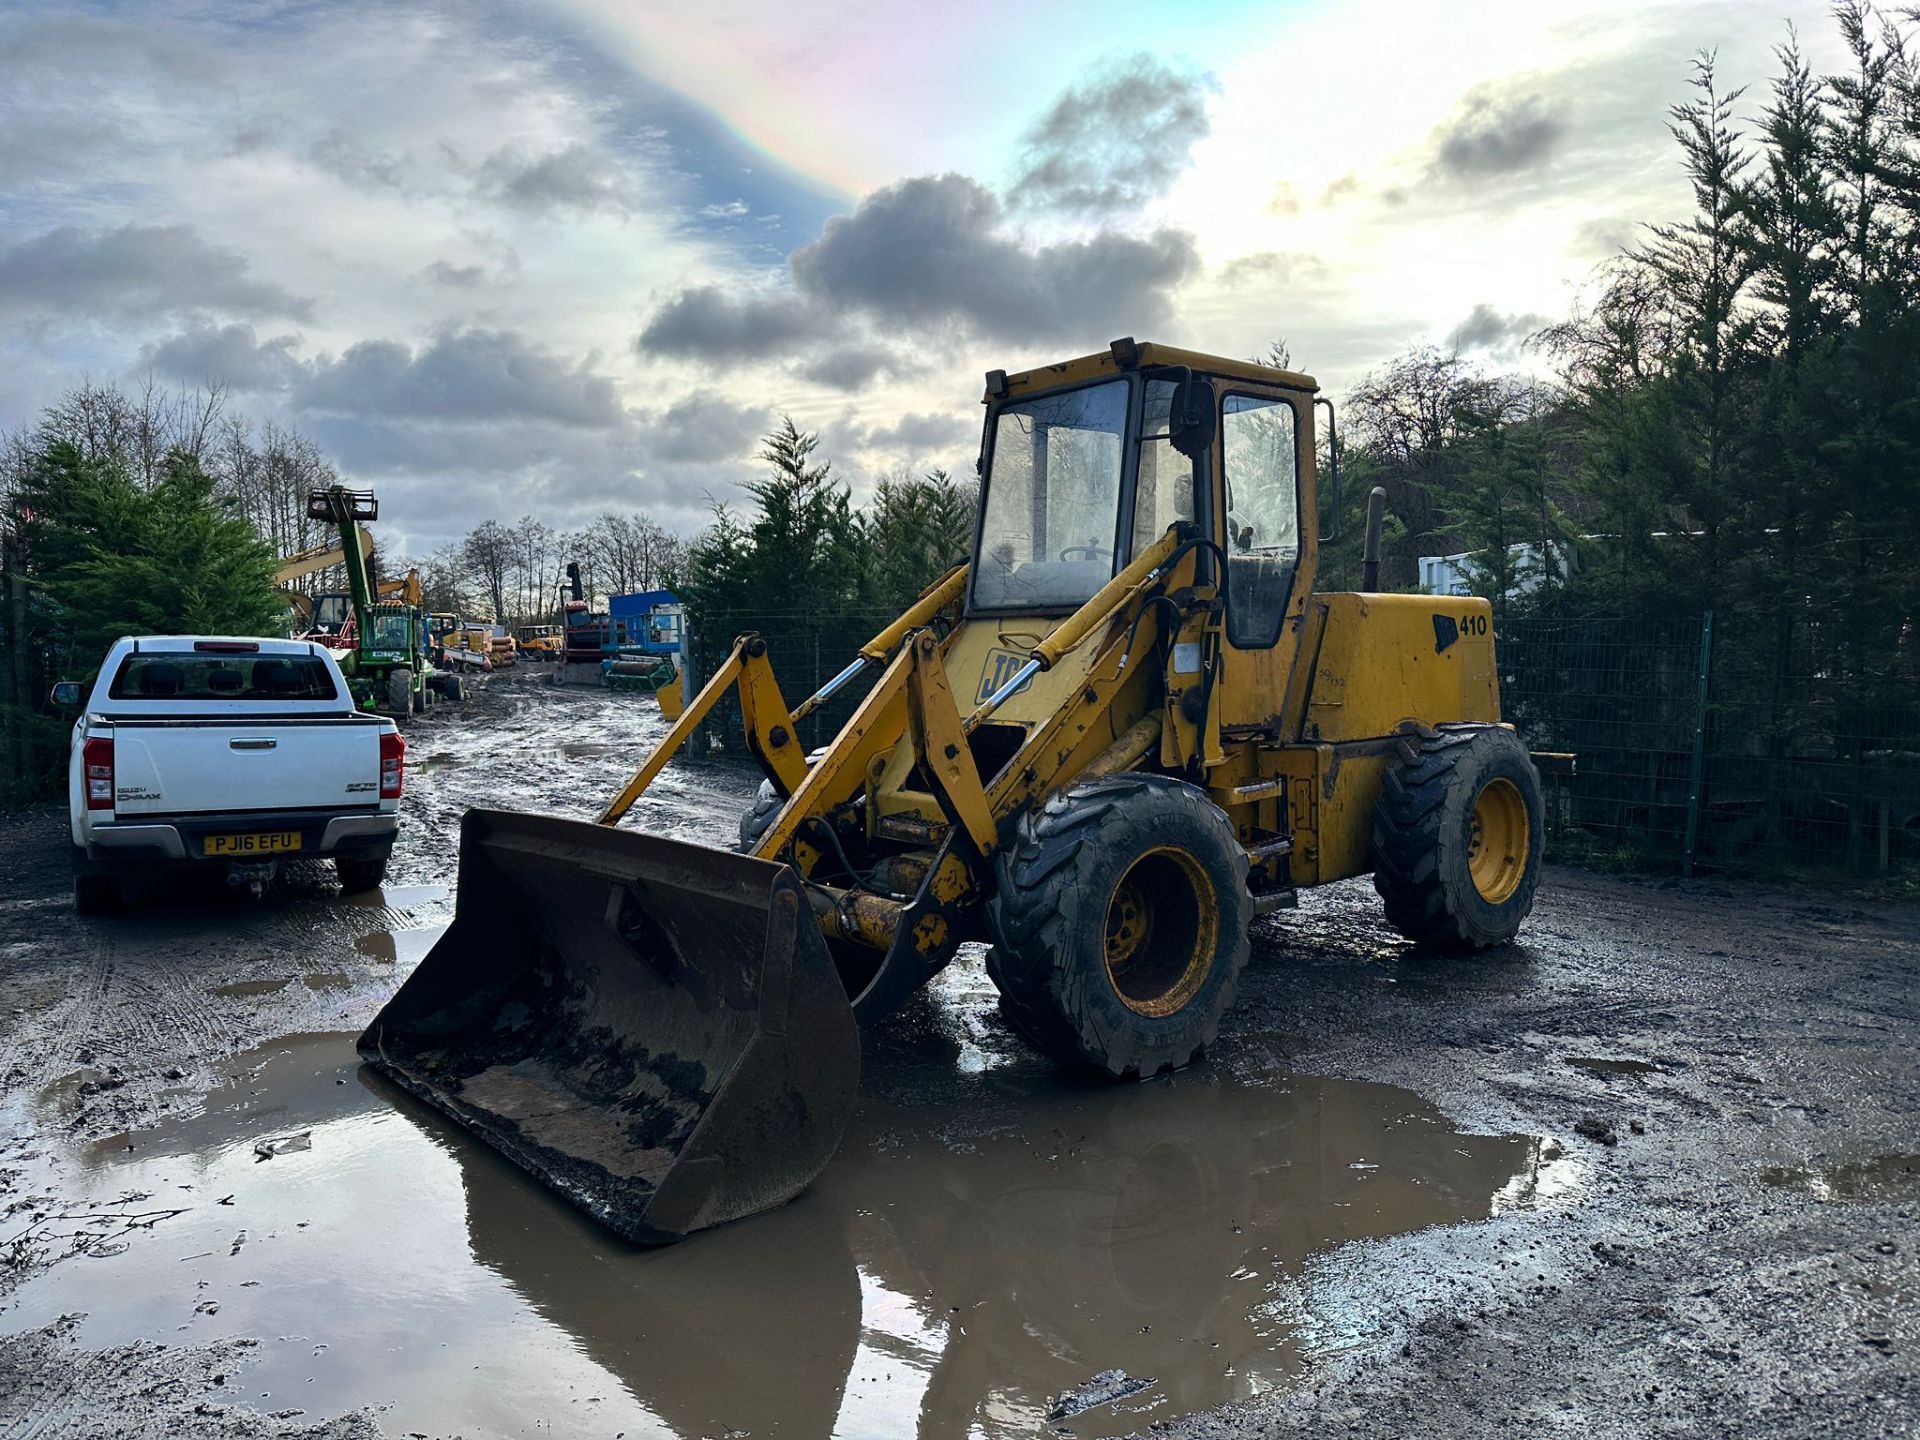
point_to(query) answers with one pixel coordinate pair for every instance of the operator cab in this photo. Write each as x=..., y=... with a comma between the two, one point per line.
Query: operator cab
x=1084, y=465
x=331, y=612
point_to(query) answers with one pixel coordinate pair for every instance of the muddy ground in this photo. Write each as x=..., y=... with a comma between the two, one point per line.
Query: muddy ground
x=1656, y=1170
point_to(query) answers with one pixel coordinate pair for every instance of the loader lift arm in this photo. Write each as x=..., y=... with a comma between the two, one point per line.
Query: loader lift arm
x=770, y=725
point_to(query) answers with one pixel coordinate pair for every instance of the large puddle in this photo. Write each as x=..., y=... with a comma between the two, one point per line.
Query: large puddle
x=988, y=1239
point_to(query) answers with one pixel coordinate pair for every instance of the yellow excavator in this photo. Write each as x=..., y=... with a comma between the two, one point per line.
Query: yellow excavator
x=1127, y=728
x=304, y=562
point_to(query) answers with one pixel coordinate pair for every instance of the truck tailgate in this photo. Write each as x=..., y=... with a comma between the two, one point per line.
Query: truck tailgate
x=188, y=767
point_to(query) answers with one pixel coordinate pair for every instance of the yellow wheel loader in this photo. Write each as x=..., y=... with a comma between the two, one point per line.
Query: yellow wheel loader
x=1129, y=726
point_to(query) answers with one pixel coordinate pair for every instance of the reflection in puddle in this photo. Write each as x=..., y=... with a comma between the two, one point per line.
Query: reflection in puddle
x=398, y=897
x=980, y=1246
x=1884, y=1177
x=399, y=947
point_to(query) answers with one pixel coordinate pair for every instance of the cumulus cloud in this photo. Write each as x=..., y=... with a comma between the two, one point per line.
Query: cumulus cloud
x=855, y=366
x=1491, y=133
x=136, y=271
x=229, y=355
x=931, y=250
x=1115, y=141
x=1486, y=329
x=706, y=426
x=472, y=376
x=932, y=254
x=710, y=322
x=576, y=177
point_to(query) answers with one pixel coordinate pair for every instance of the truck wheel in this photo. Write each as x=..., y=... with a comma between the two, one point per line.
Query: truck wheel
x=1120, y=916
x=359, y=875
x=400, y=690
x=1457, y=836
x=95, y=894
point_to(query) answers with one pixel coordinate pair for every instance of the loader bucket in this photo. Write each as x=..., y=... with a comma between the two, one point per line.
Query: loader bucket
x=653, y=1028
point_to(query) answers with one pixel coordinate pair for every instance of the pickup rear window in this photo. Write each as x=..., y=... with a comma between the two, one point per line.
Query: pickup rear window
x=223, y=677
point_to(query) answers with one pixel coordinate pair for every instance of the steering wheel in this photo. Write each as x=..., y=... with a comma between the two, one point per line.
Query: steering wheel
x=1086, y=552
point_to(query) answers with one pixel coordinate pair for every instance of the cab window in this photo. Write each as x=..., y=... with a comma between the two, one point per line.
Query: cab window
x=1163, y=493
x=1052, y=499
x=1260, y=457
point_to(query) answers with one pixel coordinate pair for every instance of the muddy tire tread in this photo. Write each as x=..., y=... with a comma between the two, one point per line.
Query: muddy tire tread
x=1039, y=906
x=1410, y=847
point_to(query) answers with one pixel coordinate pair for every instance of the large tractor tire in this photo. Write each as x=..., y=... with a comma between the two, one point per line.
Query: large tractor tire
x=1457, y=836
x=1120, y=915
x=400, y=690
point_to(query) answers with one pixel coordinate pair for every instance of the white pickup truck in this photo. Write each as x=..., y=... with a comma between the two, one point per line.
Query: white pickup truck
x=216, y=750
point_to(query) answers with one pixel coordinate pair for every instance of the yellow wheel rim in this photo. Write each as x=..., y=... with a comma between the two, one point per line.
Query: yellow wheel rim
x=1499, y=835
x=1163, y=921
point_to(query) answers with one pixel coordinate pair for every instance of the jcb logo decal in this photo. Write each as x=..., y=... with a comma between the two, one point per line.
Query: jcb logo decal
x=1001, y=667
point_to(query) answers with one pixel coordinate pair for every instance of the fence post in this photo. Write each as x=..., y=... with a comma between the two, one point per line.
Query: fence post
x=1696, y=776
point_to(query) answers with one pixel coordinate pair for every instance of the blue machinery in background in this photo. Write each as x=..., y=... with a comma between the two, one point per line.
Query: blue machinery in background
x=644, y=641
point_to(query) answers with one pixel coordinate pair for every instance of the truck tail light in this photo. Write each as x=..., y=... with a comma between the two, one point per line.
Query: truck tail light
x=96, y=756
x=393, y=760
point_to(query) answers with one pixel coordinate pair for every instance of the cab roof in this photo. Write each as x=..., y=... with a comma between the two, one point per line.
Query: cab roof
x=1142, y=354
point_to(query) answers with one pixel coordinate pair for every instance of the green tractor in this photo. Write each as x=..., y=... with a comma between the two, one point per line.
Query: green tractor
x=386, y=665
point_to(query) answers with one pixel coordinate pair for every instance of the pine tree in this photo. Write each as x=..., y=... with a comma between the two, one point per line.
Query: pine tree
x=1703, y=265
x=116, y=559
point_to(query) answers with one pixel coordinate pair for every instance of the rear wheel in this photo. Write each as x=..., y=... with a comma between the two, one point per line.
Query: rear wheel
x=1120, y=917
x=1457, y=837
x=96, y=894
x=400, y=690
x=357, y=875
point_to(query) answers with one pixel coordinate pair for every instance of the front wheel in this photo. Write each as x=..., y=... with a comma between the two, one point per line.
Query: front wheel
x=400, y=690
x=1120, y=916
x=1458, y=833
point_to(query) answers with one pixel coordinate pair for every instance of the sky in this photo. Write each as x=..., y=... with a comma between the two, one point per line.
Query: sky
x=565, y=256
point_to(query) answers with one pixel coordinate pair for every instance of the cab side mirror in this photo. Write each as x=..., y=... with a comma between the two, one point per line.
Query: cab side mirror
x=68, y=695
x=1191, y=416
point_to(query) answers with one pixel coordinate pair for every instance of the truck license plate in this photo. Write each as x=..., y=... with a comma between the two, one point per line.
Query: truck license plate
x=260, y=843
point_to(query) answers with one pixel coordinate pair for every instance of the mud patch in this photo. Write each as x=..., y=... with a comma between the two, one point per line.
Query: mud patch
x=975, y=1262
x=405, y=947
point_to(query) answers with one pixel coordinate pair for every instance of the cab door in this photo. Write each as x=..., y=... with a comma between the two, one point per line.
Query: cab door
x=1265, y=493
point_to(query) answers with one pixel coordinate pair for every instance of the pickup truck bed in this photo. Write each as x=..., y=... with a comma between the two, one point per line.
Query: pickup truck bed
x=231, y=752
